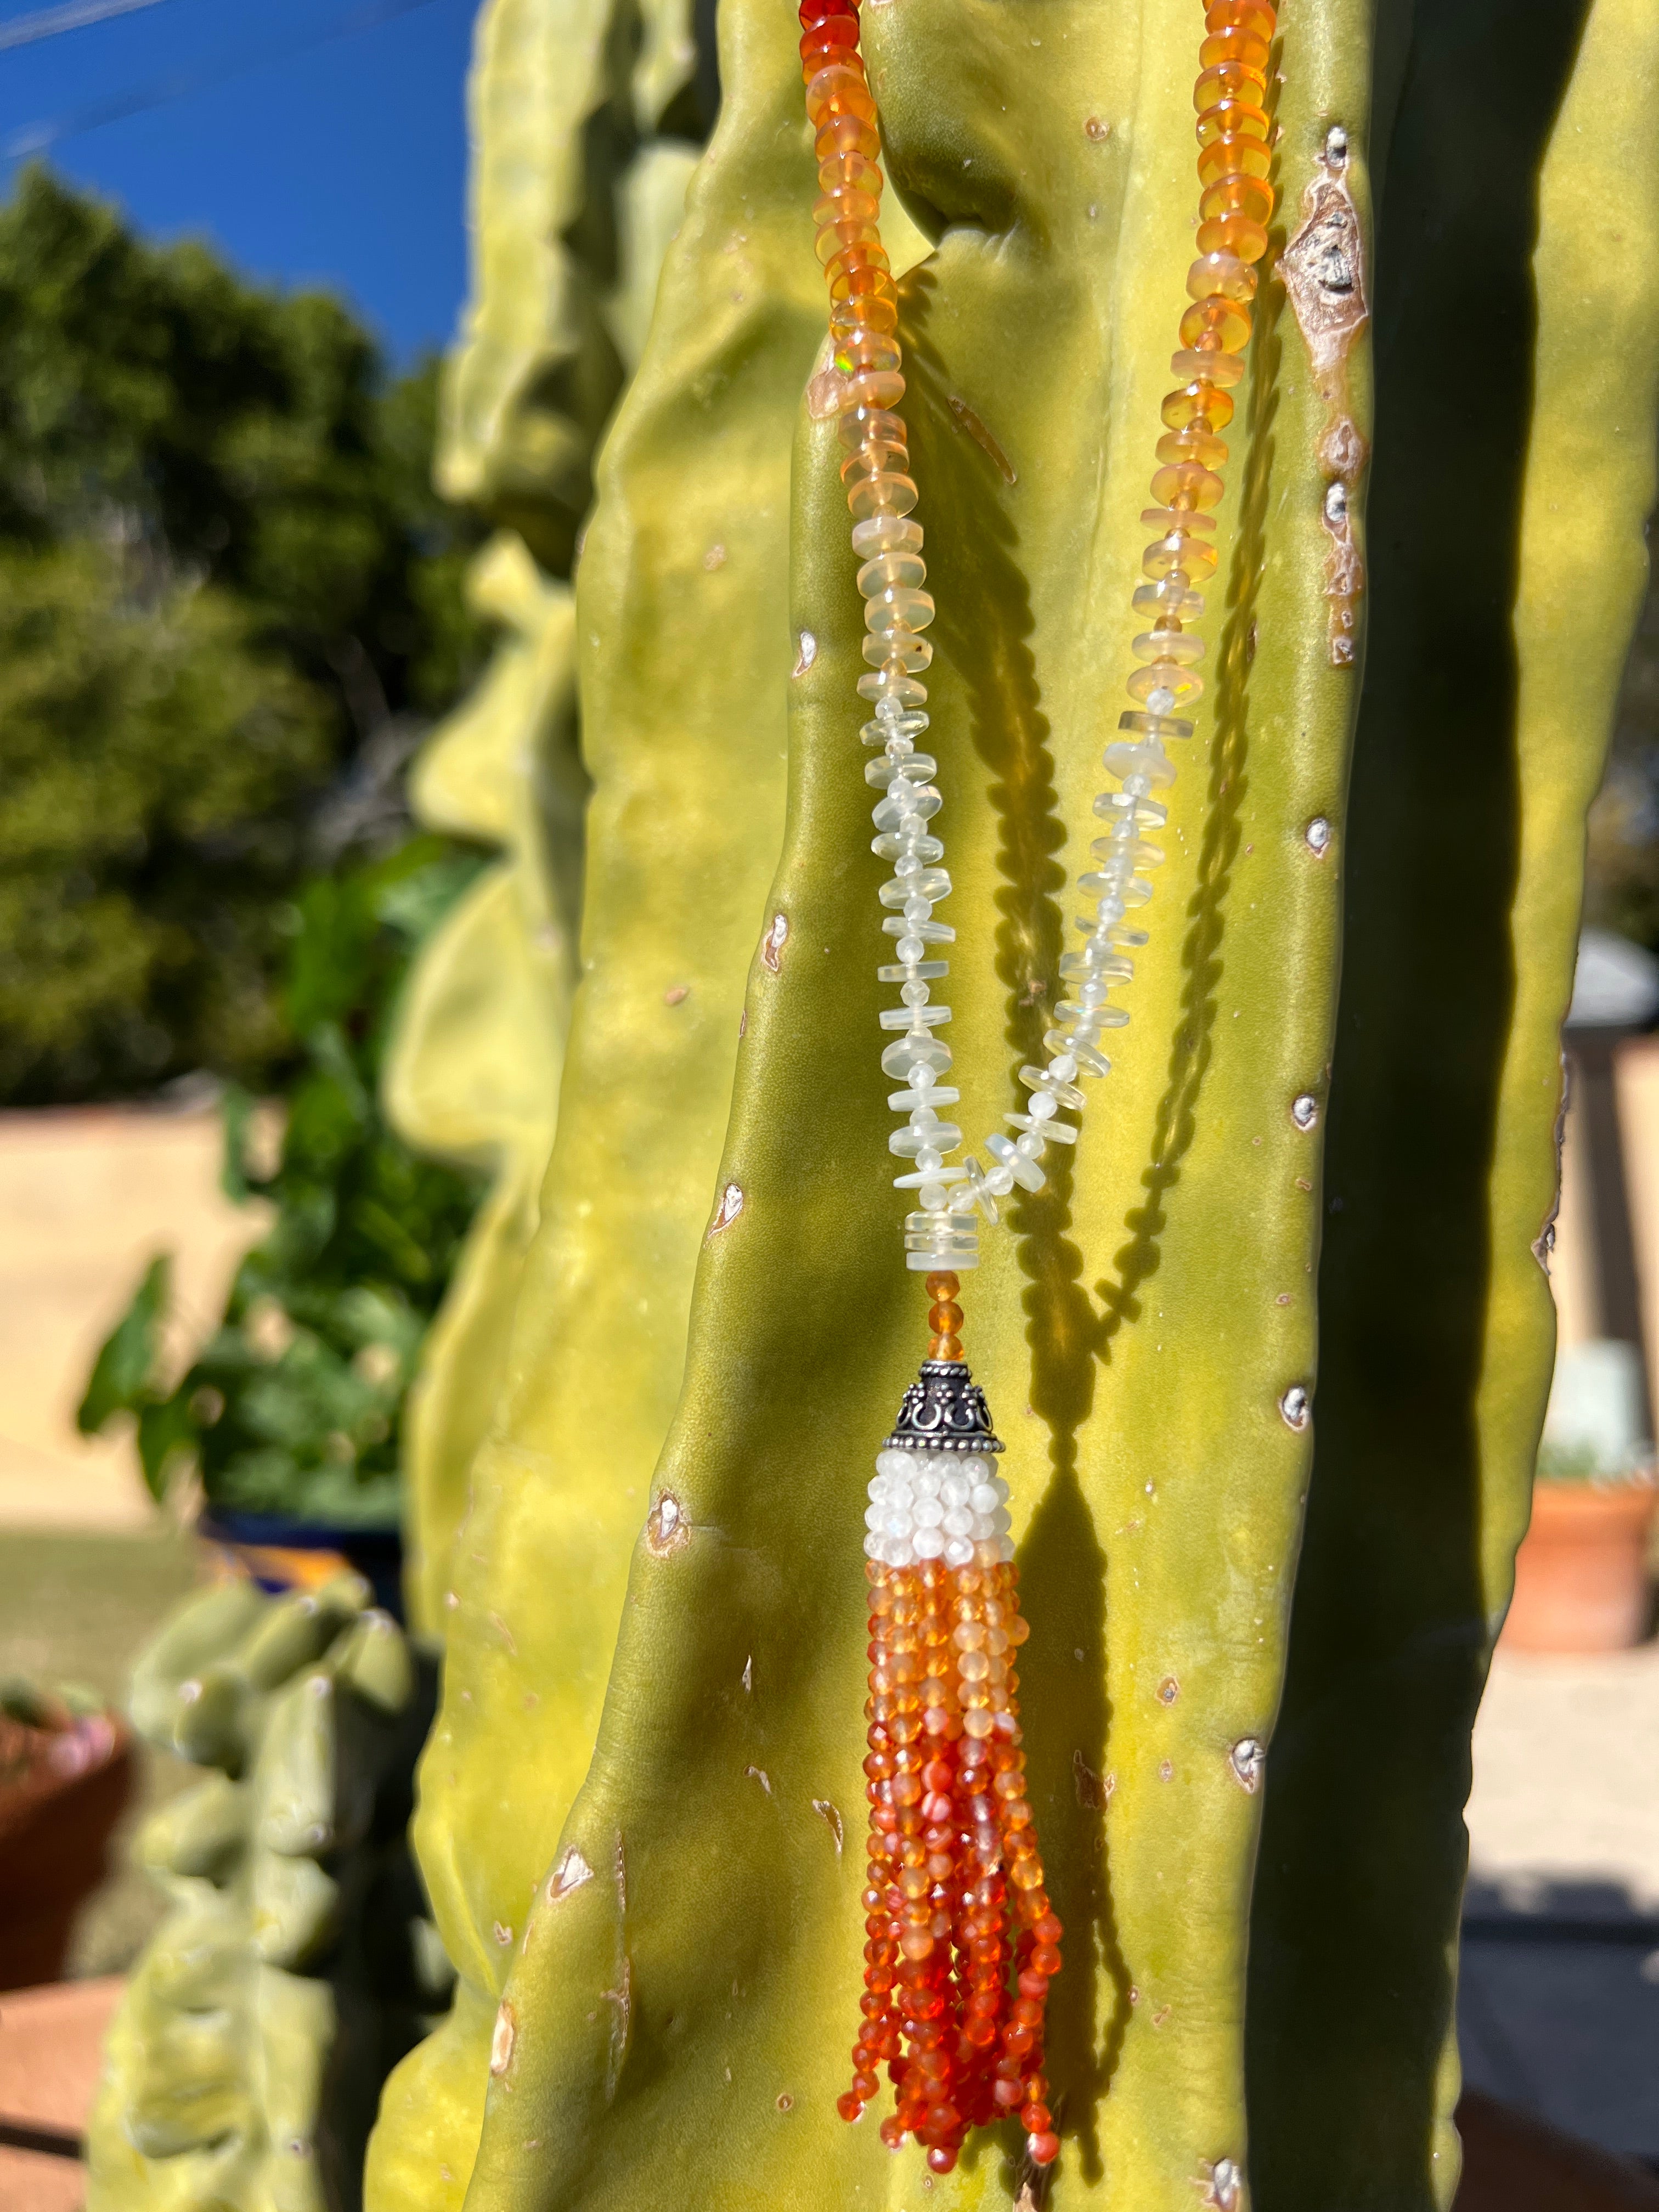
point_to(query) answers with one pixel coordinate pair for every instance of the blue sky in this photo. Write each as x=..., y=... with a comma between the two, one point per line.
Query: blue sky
x=315, y=142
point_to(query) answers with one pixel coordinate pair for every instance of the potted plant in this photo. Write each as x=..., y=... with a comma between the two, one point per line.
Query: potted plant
x=1581, y=1579
x=291, y=1410
x=66, y=1777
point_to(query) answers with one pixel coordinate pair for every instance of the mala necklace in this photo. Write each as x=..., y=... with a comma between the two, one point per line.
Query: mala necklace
x=962, y=1939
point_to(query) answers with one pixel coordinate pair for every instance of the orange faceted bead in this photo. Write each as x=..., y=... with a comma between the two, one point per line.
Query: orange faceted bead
x=1233, y=118
x=1220, y=275
x=1215, y=325
x=1232, y=80
x=844, y=135
x=1199, y=402
x=1237, y=195
x=1236, y=43
x=1242, y=15
x=1233, y=235
x=840, y=90
x=1233, y=154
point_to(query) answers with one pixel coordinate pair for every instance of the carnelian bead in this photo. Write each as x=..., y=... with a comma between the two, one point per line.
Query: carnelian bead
x=1220, y=277
x=1235, y=234
x=1045, y=1960
x=1229, y=80
x=1237, y=195
x=1232, y=153
x=1187, y=485
x=1223, y=325
x=1043, y=2150
x=850, y=173
x=1236, y=43
x=827, y=45
x=845, y=203
x=1192, y=364
x=1195, y=443
x=847, y=134
x=1241, y=15
x=1239, y=118
x=1036, y=2120
x=838, y=90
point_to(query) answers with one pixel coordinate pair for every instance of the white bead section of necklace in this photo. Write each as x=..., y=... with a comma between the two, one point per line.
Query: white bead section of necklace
x=942, y=1233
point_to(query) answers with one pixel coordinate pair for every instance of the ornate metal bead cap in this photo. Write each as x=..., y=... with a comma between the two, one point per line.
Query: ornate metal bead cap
x=944, y=1410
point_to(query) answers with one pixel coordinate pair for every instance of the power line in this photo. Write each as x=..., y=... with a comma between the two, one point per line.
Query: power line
x=161, y=92
x=73, y=16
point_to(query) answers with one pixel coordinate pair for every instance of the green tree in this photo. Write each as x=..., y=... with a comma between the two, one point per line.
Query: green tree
x=233, y=597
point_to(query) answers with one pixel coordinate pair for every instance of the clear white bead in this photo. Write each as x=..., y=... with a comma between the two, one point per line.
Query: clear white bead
x=959, y=1552
x=928, y=1543
x=983, y=1498
x=1024, y=1171
x=955, y=1489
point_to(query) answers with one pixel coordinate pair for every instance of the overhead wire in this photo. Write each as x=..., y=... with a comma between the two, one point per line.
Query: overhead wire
x=71, y=16
x=161, y=92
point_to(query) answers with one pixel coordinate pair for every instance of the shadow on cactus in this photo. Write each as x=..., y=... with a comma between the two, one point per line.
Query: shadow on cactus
x=293, y=1405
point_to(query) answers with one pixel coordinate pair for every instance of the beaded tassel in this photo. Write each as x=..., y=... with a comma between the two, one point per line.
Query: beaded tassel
x=962, y=1940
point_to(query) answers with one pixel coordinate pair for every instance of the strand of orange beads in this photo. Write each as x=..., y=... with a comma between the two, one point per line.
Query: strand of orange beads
x=963, y=1939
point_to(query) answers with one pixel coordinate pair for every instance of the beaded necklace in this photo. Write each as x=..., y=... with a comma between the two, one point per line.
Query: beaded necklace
x=963, y=1939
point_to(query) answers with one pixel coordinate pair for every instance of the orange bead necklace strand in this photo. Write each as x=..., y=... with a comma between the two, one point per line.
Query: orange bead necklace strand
x=962, y=1939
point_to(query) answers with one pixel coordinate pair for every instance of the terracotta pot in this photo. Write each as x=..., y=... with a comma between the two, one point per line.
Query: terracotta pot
x=1581, y=1580
x=1515, y=2162
x=63, y=1787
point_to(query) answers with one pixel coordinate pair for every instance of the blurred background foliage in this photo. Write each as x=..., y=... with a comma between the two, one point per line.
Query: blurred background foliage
x=294, y=1405
x=230, y=604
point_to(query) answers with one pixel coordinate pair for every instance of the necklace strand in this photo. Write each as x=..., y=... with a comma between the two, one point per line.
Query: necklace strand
x=963, y=1939
x=1234, y=159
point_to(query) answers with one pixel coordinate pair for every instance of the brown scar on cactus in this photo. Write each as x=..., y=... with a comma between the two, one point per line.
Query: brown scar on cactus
x=1323, y=270
x=831, y=1815
x=806, y=652
x=676, y=994
x=730, y=1206
x=667, y=1528
x=773, y=943
x=966, y=420
x=759, y=1774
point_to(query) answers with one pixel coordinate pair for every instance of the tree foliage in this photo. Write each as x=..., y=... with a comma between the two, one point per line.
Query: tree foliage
x=229, y=593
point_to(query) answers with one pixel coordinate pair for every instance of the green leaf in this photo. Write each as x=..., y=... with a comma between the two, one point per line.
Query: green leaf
x=122, y=1379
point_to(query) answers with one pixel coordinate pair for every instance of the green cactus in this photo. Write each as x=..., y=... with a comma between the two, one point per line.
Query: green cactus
x=662, y=1893
x=295, y=1966
x=584, y=118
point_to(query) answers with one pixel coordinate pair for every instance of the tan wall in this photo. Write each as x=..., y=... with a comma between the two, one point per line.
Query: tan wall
x=87, y=1197
x=1638, y=1115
